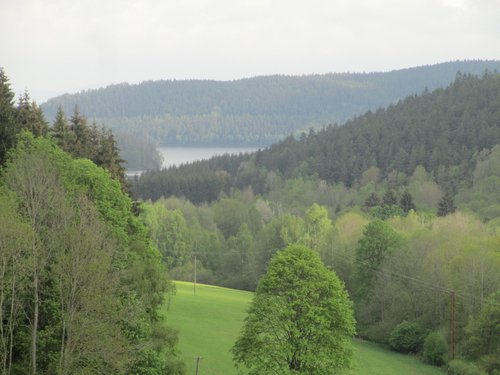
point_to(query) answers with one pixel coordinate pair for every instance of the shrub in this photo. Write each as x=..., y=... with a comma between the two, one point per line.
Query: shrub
x=435, y=349
x=407, y=337
x=459, y=367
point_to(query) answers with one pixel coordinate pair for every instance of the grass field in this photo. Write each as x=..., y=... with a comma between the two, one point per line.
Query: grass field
x=210, y=322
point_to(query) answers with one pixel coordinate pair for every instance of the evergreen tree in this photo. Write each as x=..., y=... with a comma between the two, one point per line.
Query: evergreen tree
x=7, y=116
x=78, y=125
x=30, y=117
x=389, y=198
x=107, y=154
x=406, y=202
x=446, y=205
x=61, y=131
x=373, y=200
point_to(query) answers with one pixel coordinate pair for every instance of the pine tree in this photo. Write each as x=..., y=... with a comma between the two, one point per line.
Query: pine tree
x=446, y=205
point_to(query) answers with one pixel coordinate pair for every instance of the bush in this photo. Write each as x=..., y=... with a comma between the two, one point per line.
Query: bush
x=435, y=349
x=407, y=337
x=459, y=367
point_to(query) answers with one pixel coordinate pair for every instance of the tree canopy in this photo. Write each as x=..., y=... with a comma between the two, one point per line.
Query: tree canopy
x=300, y=321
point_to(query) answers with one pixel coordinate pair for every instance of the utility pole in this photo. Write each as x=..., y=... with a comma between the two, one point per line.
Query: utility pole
x=198, y=359
x=194, y=279
x=452, y=326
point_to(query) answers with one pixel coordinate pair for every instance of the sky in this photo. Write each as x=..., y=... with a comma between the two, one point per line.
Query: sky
x=51, y=47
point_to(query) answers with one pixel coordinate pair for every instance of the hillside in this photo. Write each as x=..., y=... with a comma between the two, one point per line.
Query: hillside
x=255, y=111
x=443, y=131
x=210, y=322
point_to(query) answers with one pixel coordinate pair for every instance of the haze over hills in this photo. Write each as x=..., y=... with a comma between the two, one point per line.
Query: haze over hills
x=253, y=111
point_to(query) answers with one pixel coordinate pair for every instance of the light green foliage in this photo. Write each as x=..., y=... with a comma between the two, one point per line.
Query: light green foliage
x=300, y=321
x=229, y=215
x=318, y=227
x=459, y=367
x=169, y=233
x=95, y=281
x=378, y=242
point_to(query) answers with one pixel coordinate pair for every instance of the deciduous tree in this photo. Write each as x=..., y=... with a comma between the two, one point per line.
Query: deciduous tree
x=300, y=321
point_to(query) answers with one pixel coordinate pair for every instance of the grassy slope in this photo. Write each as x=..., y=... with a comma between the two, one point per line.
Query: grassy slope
x=210, y=322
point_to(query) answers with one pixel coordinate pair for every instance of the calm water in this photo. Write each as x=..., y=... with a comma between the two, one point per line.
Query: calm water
x=174, y=156
x=182, y=155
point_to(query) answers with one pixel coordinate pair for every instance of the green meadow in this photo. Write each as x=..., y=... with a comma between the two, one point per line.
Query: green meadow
x=209, y=323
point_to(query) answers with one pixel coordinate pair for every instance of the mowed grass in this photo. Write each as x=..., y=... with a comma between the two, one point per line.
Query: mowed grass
x=210, y=322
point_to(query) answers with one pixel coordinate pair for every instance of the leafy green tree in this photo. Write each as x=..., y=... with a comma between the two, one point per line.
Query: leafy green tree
x=407, y=337
x=435, y=349
x=300, y=321
x=379, y=241
x=318, y=226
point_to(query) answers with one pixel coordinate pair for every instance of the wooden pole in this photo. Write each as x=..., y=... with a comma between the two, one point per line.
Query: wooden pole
x=194, y=282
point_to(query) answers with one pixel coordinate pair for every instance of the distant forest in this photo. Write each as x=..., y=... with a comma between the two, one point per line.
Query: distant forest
x=444, y=132
x=249, y=112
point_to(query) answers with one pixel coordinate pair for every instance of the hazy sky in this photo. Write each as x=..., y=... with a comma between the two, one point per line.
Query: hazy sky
x=55, y=46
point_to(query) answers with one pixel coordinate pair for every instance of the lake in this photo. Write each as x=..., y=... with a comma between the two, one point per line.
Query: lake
x=174, y=156
x=177, y=155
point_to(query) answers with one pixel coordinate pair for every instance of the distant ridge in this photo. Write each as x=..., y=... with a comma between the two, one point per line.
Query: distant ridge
x=252, y=111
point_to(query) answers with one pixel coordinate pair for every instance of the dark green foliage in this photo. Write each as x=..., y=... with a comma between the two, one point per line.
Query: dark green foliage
x=373, y=200
x=446, y=205
x=300, y=321
x=87, y=141
x=435, y=349
x=255, y=111
x=7, y=116
x=389, y=198
x=407, y=337
x=14, y=119
x=406, y=202
x=441, y=131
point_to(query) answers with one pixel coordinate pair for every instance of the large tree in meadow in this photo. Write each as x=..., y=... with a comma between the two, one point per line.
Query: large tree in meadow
x=300, y=321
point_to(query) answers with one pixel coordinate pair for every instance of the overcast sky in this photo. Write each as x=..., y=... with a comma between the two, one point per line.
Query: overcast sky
x=55, y=46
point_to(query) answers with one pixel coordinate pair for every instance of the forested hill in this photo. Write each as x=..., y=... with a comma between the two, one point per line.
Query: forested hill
x=254, y=111
x=444, y=131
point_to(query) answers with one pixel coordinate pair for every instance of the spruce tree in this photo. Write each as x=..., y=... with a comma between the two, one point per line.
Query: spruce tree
x=389, y=198
x=406, y=202
x=373, y=200
x=446, y=205
x=81, y=131
x=7, y=116
x=61, y=131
